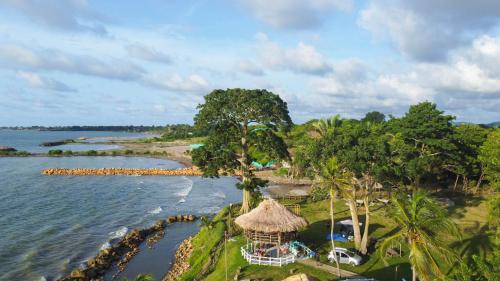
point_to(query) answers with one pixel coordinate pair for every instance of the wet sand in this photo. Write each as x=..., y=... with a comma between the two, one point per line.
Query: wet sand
x=278, y=190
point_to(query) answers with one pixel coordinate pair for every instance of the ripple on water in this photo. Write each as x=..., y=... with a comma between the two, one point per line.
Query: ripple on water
x=51, y=224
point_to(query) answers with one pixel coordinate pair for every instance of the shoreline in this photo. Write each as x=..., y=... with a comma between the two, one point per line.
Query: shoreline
x=278, y=186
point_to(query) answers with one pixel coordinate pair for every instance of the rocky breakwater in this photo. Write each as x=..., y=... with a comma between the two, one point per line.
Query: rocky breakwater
x=181, y=263
x=189, y=171
x=122, y=251
x=57, y=143
x=7, y=149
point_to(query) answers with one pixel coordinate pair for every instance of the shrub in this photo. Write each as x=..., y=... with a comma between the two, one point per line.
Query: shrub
x=91, y=153
x=54, y=152
x=68, y=152
x=281, y=172
x=128, y=152
x=319, y=193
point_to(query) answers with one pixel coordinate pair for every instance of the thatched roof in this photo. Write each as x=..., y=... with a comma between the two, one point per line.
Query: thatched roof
x=270, y=216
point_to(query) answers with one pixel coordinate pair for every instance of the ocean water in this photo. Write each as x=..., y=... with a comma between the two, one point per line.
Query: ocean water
x=52, y=224
x=30, y=140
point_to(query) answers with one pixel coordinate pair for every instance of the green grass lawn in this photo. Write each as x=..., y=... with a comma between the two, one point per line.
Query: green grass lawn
x=469, y=214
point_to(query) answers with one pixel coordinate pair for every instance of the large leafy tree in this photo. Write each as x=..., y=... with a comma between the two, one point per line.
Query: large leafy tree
x=490, y=158
x=422, y=223
x=422, y=143
x=464, y=162
x=236, y=120
x=374, y=117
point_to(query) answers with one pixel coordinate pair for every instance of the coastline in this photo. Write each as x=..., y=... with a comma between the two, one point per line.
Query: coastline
x=176, y=151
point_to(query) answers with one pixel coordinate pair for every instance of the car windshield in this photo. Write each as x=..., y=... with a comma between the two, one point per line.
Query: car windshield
x=349, y=253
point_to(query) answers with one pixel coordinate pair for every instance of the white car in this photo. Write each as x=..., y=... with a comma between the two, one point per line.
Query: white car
x=345, y=256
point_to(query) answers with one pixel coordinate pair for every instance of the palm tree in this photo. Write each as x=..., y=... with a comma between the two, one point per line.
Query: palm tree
x=422, y=223
x=141, y=277
x=331, y=177
x=326, y=126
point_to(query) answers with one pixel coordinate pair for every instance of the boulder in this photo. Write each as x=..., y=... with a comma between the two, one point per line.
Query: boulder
x=78, y=274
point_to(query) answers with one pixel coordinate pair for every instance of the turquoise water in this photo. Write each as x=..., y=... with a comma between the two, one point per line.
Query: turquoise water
x=52, y=224
x=30, y=140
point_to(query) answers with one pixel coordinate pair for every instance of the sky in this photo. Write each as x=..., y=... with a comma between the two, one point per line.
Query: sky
x=150, y=62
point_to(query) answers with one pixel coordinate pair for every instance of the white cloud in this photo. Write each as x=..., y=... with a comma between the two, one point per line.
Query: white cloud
x=16, y=56
x=177, y=83
x=71, y=15
x=37, y=81
x=470, y=79
x=249, y=67
x=146, y=53
x=426, y=30
x=301, y=59
x=294, y=14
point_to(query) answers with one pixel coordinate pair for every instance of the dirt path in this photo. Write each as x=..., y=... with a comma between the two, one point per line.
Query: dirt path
x=332, y=270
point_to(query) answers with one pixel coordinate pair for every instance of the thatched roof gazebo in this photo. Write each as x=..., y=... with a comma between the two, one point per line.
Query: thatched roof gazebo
x=270, y=224
x=270, y=217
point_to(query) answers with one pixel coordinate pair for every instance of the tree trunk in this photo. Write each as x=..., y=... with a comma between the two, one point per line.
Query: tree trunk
x=364, y=240
x=245, y=205
x=355, y=222
x=465, y=182
x=332, y=221
x=245, y=172
x=414, y=274
x=456, y=182
x=479, y=181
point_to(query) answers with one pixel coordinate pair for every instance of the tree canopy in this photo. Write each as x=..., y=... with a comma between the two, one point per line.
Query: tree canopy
x=236, y=121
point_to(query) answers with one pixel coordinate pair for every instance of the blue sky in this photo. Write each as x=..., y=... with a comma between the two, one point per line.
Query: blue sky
x=78, y=62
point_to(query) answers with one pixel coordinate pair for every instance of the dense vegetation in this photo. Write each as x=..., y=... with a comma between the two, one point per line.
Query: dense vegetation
x=179, y=132
x=420, y=152
x=412, y=157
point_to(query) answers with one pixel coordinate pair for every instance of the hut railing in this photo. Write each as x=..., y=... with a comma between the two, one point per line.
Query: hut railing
x=260, y=260
x=294, y=208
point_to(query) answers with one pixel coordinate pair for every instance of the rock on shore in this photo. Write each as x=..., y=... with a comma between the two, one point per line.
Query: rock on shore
x=190, y=171
x=181, y=263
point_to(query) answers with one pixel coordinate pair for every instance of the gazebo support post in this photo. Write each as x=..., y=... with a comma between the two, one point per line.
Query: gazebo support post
x=279, y=243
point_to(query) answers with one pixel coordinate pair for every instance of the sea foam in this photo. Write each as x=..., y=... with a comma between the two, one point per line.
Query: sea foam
x=155, y=211
x=118, y=233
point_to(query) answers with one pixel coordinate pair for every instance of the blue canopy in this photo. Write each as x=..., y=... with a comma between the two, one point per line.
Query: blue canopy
x=336, y=237
x=257, y=165
x=196, y=145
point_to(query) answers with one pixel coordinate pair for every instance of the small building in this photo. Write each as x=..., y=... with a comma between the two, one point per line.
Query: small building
x=271, y=232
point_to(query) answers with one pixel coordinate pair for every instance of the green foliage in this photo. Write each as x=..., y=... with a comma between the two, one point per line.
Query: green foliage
x=464, y=161
x=490, y=158
x=21, y=153
x=239, y=122
x=479, y=269
x=181, y=131
x=55, y=152
x=68, y=153
x=421, y=143
x=90, y=153
x=494, y=212
x=374, y=117
x=422, y=223
x=319, y=193
x=281, y=172
x=326, y=127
